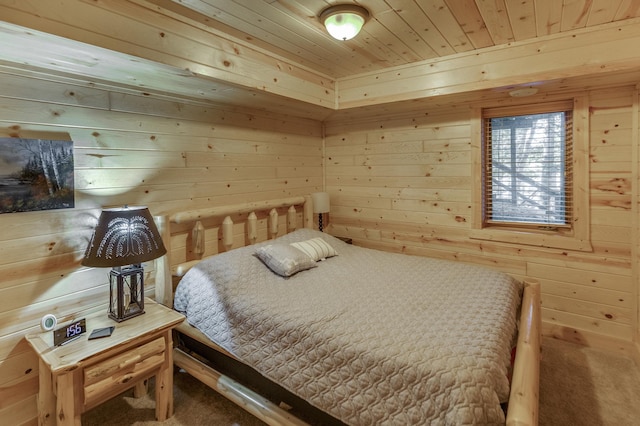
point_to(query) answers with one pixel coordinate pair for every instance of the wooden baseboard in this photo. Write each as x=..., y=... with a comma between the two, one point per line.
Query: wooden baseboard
x=593, y=340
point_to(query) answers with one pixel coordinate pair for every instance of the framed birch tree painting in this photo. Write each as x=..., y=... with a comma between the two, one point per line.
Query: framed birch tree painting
x=35, y=174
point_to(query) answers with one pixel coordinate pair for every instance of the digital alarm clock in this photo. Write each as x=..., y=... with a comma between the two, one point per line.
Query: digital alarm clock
x=69, y=332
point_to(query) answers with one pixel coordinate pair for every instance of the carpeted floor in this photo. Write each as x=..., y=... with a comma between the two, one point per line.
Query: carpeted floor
x=579, y=386
x=587, y=387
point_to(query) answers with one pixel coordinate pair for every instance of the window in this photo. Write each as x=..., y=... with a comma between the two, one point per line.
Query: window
x=527, y=169
x=528, y=191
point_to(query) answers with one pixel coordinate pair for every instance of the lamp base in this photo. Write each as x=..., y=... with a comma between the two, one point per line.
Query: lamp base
x=126, y=291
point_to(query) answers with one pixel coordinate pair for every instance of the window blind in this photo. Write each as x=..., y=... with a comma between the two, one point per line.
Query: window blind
x=528, y=158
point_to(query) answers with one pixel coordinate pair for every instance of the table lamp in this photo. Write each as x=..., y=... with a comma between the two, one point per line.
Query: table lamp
x=320, y=205
x=123, y=239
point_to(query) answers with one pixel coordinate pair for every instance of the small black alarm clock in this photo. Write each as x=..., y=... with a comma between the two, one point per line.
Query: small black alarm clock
x=69, y=332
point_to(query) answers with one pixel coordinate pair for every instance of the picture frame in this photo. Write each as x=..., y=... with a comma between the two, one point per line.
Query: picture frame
x=36, y=173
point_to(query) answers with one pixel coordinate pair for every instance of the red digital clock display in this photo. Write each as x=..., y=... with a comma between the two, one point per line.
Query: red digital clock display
x=69, y=332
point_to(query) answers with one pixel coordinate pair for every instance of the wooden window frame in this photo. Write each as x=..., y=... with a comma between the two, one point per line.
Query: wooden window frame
x=575, y=237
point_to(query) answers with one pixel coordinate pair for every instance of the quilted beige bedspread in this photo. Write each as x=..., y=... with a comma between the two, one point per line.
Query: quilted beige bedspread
x=370, y=337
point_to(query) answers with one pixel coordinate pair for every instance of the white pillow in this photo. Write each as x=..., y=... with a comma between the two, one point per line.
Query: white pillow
x=316, y=248
x=284, y=259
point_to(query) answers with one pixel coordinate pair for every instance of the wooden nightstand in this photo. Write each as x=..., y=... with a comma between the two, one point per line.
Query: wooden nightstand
x=346, y=239
x=84, y=373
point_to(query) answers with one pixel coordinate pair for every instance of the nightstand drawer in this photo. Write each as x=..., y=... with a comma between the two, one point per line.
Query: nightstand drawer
x=114, y=375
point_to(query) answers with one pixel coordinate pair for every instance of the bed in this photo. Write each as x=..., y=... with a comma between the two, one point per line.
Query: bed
x=361, y=336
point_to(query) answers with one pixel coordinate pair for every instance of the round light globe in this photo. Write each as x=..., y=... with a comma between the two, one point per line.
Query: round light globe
x=344, y=26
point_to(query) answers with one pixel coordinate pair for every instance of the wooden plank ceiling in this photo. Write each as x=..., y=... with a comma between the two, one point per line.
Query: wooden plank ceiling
x=399, y=32
x=275, y=56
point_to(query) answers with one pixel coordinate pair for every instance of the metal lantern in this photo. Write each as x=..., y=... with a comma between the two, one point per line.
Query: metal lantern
x=126, y=292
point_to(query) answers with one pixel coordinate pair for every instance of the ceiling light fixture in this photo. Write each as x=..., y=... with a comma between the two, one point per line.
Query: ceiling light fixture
x=344, y=21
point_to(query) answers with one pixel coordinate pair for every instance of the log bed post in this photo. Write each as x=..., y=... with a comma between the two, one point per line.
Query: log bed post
x=227, y=233
x=291, y=219
x=273, y=223
x=252, y=228
x=525, y=382
x=197, y=235
x=164, y=282
x=308, y=212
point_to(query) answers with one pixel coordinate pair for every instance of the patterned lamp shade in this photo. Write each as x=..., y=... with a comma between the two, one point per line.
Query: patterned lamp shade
x=125, y=237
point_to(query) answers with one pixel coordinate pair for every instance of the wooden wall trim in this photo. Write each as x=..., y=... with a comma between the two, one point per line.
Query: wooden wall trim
x=578, y=238
x=215, y=66
x=593, y=340
x=635, y=212
x=187, y=51
x=571, y=54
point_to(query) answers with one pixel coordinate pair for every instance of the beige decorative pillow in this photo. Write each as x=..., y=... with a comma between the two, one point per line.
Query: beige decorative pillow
x=316, y=248
x=284, y=259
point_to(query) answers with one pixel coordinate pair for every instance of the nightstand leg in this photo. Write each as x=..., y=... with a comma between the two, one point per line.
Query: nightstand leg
x=46, y=398
x=164, y=383
x=67, y=411
x=141, y=389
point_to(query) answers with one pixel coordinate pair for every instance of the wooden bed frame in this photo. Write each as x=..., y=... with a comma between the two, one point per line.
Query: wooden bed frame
x=523, y=399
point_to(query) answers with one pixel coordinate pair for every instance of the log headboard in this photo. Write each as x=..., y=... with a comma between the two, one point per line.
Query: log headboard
x=191, y=228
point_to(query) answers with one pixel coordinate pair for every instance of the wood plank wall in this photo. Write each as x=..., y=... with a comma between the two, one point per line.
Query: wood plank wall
x=129, y=149
x=404, y=184
x=399, y=181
